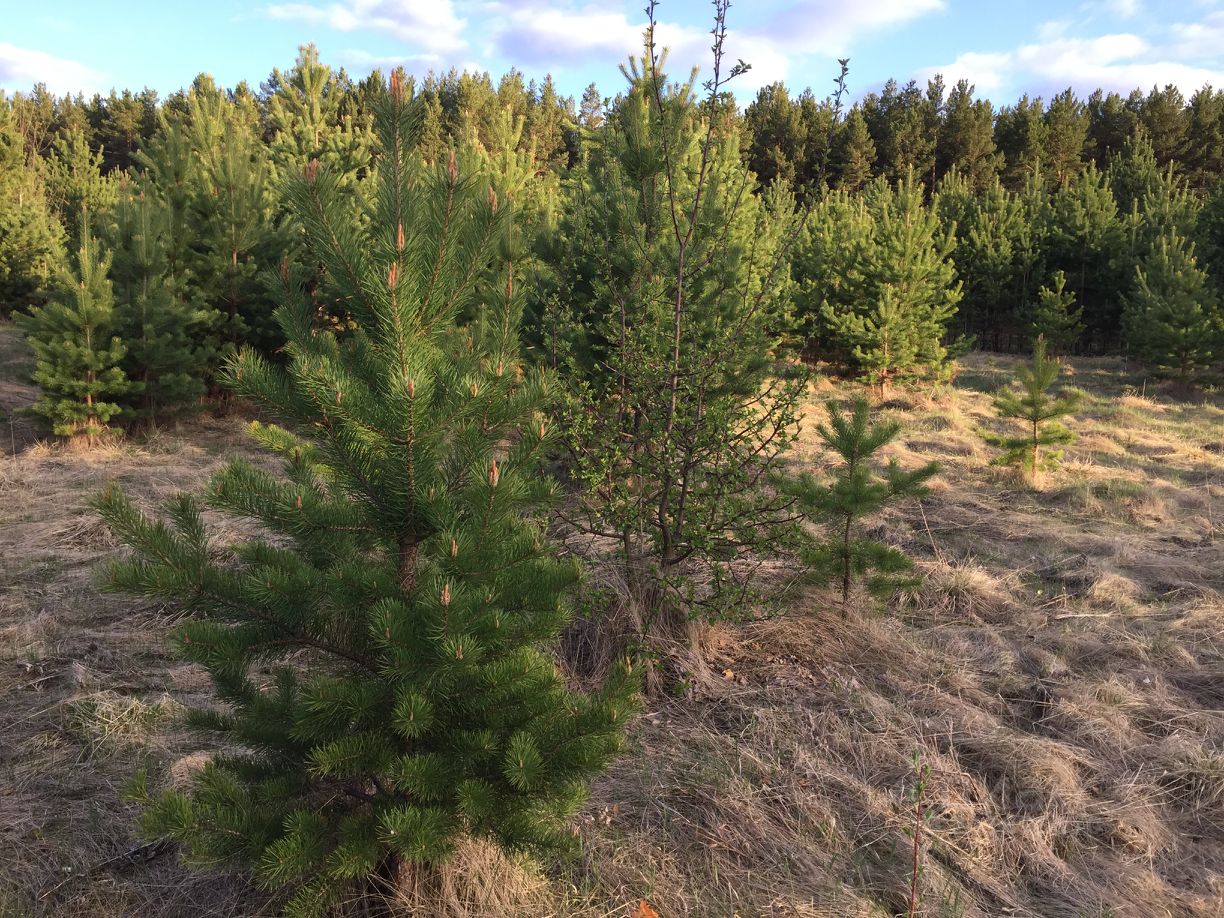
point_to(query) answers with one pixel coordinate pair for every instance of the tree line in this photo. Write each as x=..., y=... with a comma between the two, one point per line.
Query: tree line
x=931, y=220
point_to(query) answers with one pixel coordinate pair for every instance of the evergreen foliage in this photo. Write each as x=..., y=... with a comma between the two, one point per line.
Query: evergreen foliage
x=1085, y=186
x=1033, y=405
x=30, y=237
x=75, y=183
x=904, y=125
x=405, y=592
x=1162, y=116
x=1202, y=156
x=1133, y=173
x=77, y=353
x=966, y=138
x=1112, y=122
x=1055, y=317
x=1066, y=134
x=858, y=490
x=308, y=119
x=152, y=317
x=1173, y=321
x=235, y=237
x=877, y=281
x=672, y=278
x=1210, y=236
x=1086, y=241
x=997, y=249
x=1020, y=132
x=854, y=152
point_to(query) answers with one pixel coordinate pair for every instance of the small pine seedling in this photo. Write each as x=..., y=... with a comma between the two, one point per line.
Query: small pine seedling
x=857, y=491
x=1039, y=411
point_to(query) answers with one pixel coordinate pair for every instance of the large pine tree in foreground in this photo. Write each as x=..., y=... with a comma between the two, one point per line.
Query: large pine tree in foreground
x=378, y=656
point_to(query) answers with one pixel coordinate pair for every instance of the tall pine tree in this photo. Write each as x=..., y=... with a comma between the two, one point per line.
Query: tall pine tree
x=674, y=282
x=30, y=236
x=854, y=152
x=236, y=237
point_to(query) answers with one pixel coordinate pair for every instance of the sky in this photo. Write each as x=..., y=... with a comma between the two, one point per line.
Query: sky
x=1005, y=49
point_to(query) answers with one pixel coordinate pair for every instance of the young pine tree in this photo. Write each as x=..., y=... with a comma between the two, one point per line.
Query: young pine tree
x=380, y=660
x=673, y=273
x=880, y=281
x=882, y=340
x=1039, y=412
x=77, y=353
x=31, y=239
x=997, y=247
x=154, y=320
x=1055, y=317
x=75, y=183
x=1173, y=322
x=232, y=223
x=858, y=490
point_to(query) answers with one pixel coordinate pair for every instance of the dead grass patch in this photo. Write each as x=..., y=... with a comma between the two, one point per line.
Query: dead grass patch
x=1059, y=671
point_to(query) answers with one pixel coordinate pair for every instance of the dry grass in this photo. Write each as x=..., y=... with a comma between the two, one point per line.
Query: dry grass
x=1060, y=671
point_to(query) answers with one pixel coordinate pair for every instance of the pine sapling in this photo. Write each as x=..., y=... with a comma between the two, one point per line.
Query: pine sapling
x=1173, y=321
x=380, y=656
x=1038, y=410
x=885, y=339
x=918, y=800
x=858, y=490
x=77, y=353
x=1055, y=316
x=155, y=319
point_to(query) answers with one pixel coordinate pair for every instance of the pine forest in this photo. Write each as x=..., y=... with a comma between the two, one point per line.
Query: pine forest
x=433, y=494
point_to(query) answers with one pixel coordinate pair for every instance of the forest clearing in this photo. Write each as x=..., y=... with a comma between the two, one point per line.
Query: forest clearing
x=430, y=495
x=1059, y=673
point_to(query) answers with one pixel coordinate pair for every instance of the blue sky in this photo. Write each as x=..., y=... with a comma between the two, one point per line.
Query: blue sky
x=1004, y=48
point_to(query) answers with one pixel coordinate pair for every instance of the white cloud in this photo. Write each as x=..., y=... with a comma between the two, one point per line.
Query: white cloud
x=358, y=61
x=1200, y=40
x=21, y=68
x=431, y=25
x=554, y=33
x=562, y=35
x=566, y=34
x=557, y=37
x=831, y=26
x=1118, y=63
